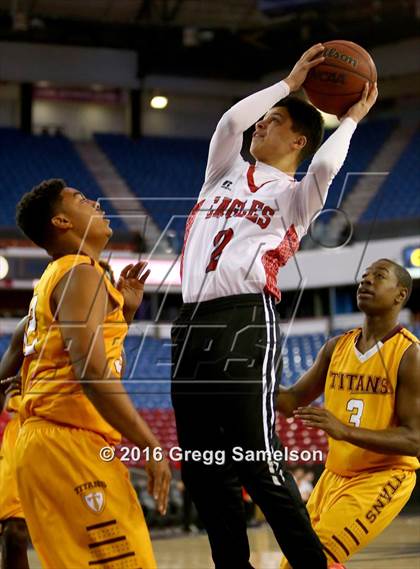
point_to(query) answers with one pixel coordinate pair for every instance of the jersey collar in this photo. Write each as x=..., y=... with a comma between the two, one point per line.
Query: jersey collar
x=273, y=171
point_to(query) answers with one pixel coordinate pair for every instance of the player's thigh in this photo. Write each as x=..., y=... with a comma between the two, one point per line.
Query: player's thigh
x=10, y=506
x=86, y=506
x=359, y=510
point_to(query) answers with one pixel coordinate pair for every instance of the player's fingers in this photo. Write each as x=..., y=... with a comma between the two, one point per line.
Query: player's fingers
x=314, y=410
x=164, y=495
x=10, y=380
x=144, y=277
x=315, y=62
x=142, y=269
x=373, y=93
x=136, y=269
x=157, y=484
x=365, y=92
x=313, y=50
x=125, y=271
x=309, y=416
x=315, y=422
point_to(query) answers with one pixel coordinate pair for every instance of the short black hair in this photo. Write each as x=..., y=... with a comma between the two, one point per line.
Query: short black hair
x=403, y=277
x=36, y=208
x=307, y=120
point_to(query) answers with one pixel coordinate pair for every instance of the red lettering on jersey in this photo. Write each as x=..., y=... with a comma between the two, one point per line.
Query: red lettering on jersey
x=221, y=210
x=267, y=213
x=253, y=213
x=236, y=209
x=211, y=210
x=258, y=212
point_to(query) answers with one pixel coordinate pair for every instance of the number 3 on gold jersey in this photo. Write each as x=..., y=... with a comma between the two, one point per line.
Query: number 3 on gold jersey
x=29, y=348
x=355, y=406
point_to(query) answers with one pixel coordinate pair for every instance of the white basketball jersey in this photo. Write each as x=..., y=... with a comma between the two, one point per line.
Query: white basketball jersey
x=248, y=220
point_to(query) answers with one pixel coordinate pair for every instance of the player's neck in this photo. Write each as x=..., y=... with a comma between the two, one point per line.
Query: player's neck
x=286, y=164
x=378, y=326
x=92, y=250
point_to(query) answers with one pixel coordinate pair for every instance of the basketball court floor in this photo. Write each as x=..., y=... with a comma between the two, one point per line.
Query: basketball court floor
x=397, y=548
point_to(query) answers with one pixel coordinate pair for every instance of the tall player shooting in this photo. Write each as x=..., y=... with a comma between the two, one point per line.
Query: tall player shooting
x=247, y=223
x=370, y=377
x=80, y=510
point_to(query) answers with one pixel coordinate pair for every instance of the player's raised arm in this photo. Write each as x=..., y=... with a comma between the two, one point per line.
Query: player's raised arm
x=310, y=385
x=12, y=359
x=81, y=301
x=226, y=143
x=311, y=192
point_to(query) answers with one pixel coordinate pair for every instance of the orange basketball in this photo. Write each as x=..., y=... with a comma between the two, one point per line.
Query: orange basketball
x=336, y=84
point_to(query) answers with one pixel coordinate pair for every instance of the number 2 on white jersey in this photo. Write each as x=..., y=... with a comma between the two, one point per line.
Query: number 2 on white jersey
x=355, y=406
x=220, y=241
x=29, y=349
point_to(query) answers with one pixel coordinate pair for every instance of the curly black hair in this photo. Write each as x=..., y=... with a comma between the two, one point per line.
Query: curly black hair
x=36, y=208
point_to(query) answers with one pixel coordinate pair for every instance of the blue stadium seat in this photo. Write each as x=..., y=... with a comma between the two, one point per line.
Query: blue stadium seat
x=168, y=171
x=25, y=160
x=399, y=195
x=367, y=140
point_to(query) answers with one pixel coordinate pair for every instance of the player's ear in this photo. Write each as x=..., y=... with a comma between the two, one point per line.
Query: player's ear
x=401, y=296
x=300, y=142
x=61, y=221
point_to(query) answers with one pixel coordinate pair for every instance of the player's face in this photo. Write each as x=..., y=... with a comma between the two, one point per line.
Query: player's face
x=378, y=289
x=85, y=215
x=273, y=136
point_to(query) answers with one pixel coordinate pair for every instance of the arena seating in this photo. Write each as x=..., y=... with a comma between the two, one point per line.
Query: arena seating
x=366, y=142
x=170, y=171
x=25, y=160
x=399, y=195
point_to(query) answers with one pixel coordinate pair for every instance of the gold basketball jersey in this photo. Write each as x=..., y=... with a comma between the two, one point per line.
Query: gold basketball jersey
x=50, y=389
x=13, y=402
x=360, y=390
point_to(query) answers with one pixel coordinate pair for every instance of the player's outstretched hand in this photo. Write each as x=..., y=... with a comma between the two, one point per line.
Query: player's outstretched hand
x=131, y=286
x=159, y=482
x=311, y=58
x=322, y=419
x=366, y=102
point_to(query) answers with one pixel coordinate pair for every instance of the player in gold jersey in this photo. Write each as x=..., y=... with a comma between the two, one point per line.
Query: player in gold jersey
x=14, y=534
x=370, y=378
x=80, y=507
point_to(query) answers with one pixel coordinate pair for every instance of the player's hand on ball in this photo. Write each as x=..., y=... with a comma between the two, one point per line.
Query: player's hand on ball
x=131, y=285
x=311, y=58
x=322, y=419
x=366, y=102
x=159, y=481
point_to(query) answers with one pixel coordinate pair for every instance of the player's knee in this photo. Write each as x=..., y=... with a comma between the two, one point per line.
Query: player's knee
x=334, y=553
x=15, y=534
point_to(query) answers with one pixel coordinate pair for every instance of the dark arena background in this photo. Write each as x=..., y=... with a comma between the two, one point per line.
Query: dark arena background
x=120, y=98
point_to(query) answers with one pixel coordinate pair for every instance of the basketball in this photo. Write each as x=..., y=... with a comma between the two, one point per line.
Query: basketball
x=336, y=84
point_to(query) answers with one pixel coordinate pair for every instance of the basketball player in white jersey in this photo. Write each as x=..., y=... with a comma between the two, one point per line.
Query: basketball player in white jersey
x=247, y=223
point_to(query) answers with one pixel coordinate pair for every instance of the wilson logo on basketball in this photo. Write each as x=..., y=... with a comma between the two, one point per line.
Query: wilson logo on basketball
x=329, y=76
x=332, y=52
